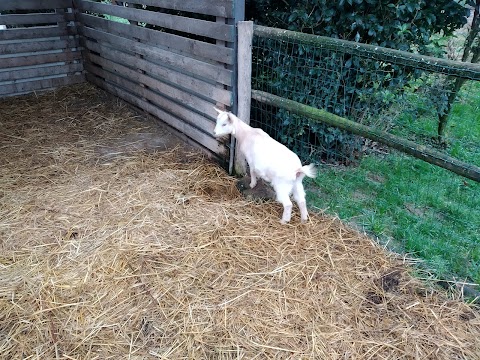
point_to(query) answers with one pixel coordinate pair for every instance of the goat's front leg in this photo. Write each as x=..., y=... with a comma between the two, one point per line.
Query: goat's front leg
x=253, y=178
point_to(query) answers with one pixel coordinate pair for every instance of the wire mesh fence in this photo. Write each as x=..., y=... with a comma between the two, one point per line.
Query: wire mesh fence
x=413, y=206
x=358, y=85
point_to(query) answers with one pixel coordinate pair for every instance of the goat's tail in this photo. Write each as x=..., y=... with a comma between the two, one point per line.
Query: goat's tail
x=308, y=170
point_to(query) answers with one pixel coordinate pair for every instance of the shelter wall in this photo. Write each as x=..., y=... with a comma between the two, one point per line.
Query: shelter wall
x=174, y=59
x=39, y=46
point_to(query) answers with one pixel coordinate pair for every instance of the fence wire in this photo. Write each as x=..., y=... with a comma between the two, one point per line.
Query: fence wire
x=402, y=200
x=400, y=99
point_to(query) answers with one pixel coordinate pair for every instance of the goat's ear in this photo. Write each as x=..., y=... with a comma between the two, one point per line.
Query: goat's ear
x=230, y=117
x=218, y=110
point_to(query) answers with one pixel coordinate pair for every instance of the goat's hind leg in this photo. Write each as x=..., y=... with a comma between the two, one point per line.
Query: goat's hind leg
x=283, y=196
x=299, y=196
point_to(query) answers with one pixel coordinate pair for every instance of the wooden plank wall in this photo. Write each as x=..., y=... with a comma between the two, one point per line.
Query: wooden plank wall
x=39, y=49
x=174, y=61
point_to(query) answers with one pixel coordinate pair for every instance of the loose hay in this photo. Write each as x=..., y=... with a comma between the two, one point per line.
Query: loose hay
x=112, y=251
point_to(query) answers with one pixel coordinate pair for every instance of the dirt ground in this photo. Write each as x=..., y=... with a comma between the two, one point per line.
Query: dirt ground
x=118, y=241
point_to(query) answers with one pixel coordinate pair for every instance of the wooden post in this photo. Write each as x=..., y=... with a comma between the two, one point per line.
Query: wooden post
x=245, y=36
x=71, y=32
x=137, y=55
x=374, y=52
x=422, y=152
x=224, y=20
x=64, y=25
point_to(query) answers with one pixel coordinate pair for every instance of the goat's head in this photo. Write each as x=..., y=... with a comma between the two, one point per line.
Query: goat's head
x=224, y=124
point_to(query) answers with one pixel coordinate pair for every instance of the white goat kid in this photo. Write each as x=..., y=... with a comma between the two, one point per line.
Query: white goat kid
x=269, y=160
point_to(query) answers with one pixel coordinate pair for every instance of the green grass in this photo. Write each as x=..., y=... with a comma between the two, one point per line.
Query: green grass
x=419, y=122
x=415, y=207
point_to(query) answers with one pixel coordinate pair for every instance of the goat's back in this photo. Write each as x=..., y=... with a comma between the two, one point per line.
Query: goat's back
x=270, y=158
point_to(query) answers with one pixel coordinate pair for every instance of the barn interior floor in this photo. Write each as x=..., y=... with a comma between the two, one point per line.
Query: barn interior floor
x=119, y=241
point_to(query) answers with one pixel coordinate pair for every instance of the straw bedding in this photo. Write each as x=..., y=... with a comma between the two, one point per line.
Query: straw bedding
x=113, y=245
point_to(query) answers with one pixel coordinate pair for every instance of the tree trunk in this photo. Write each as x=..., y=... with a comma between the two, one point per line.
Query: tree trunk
x=443, y=117
x=454, y=86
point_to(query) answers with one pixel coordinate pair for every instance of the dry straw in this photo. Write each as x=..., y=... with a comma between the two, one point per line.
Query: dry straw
x=112, y=247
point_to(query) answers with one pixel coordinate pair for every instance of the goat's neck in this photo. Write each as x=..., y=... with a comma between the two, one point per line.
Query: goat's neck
x=241, y=131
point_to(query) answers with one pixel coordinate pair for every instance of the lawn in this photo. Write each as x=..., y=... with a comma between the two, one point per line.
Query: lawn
x=411, y=206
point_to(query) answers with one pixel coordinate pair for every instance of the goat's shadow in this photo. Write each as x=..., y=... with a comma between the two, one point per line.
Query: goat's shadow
x=262, y=191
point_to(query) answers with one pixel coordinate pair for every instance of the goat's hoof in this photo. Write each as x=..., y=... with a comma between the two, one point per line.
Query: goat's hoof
x=252, y=185
x=283, y=222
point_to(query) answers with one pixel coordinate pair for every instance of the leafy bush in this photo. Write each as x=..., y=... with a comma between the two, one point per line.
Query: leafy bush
x=400, y=24
x=347, y=85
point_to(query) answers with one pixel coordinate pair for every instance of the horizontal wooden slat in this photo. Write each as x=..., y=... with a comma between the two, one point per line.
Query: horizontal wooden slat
x=214, y=72
x=31, y=19
x=208, y=29
x=126, y=79
x=195, y=119
x=160, y=100
x=136, y=99
x=34, y=4
x=432, y=64
x=184, y=46
x=24, y=87
x=39, y=72
x=221, y=158
x=31, y=60
x=203, y=88
x=26, y=47
x=179, y=95
x=36, y=32
x=221, y=8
